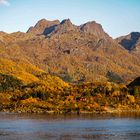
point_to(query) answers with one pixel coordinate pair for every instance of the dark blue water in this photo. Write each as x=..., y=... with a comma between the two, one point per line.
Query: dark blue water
x=85, y=127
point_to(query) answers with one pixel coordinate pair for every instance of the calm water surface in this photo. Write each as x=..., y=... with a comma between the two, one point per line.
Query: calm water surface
x=72, y=127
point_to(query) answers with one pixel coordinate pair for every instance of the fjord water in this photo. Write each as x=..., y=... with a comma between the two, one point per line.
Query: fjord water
x=70, y=127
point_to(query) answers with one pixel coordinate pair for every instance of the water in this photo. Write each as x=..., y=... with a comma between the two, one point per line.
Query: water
x=71, y=127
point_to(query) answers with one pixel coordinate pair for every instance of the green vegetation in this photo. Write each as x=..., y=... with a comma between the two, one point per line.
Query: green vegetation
x=8, y=82
x=52, y=95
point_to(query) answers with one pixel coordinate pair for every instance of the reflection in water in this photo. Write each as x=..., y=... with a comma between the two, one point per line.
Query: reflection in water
x=72, y=127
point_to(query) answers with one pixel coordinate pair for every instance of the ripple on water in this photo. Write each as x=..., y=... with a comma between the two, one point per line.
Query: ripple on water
x=42, y=127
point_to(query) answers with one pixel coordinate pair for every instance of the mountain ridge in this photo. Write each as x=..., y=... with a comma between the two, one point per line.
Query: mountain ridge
x=43, y=25
x=74, y=53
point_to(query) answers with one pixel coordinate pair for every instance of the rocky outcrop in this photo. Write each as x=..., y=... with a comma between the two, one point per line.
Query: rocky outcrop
x=93, y=28
x=42, y=26
x=130, y=42
x=64, y=27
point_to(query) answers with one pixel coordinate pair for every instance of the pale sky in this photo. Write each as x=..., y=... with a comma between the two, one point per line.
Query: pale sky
x=118, y=17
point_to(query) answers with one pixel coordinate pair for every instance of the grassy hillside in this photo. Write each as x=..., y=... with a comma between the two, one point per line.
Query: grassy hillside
x=50, y=94
x=22, y=70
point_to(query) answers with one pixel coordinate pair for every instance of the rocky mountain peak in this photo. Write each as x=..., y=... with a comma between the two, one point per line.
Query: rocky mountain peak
x=41, y=22
x=93, y=28
x=41, y=25
x=44, y=22
x=130, y=41
x=66, y=21
x=64, y=27
x=56, y=27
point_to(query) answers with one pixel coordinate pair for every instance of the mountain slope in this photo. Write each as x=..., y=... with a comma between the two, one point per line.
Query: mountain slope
x=22, y=70
x=74, y=53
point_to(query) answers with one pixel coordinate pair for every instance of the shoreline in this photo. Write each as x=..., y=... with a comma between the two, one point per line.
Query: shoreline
x=115, y=111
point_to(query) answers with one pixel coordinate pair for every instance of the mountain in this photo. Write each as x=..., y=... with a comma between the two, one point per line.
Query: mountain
x=73, y=53
x=64, y=27
x=42, y=26
x=47, y=27
x=40, y=70
x=130, y=42
x=93, y=28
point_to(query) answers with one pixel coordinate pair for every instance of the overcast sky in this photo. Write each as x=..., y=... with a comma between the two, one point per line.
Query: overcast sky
x=118, y=17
